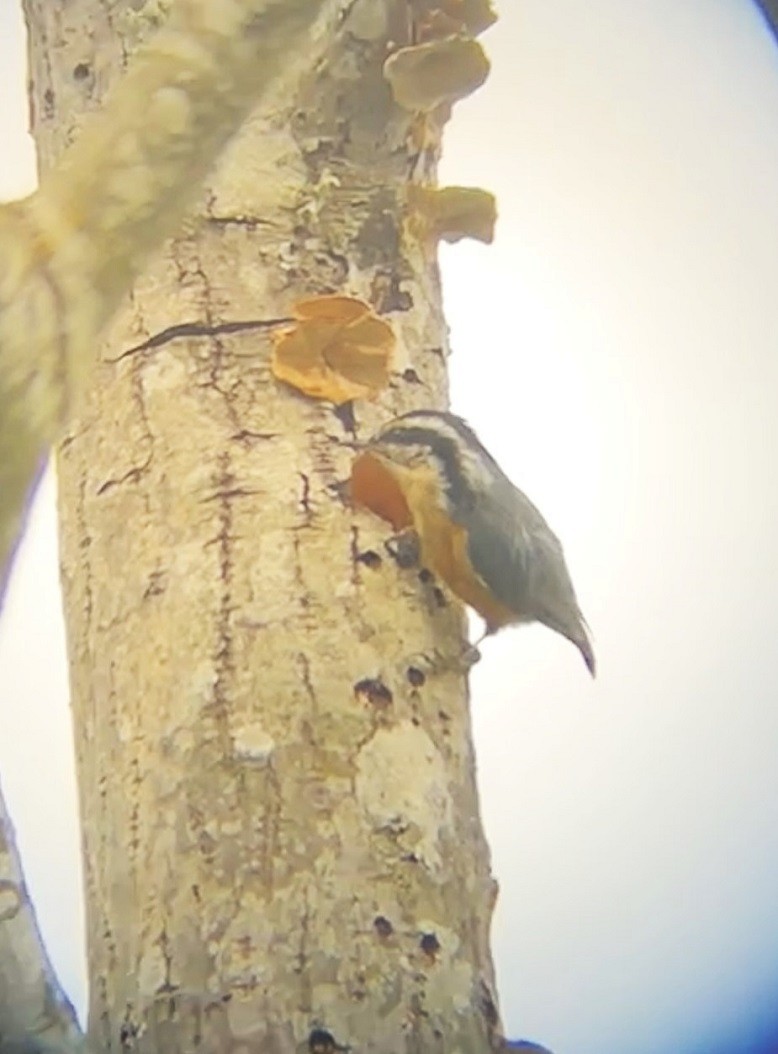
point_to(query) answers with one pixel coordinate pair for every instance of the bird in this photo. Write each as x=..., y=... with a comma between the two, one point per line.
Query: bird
x=428, y=472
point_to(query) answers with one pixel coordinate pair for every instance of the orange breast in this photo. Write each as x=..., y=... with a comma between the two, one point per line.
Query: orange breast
x=374, y=486
x=406, y=496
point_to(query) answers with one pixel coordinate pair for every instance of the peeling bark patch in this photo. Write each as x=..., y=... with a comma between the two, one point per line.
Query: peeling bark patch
x=383, y=926
x=416, y=677
x=374, y=692
x=429, y=944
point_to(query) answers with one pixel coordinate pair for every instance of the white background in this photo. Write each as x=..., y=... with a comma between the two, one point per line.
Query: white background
x=616, y=349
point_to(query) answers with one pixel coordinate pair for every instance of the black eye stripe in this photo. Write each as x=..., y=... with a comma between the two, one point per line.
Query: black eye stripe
x=435, y=417
x=444, y=449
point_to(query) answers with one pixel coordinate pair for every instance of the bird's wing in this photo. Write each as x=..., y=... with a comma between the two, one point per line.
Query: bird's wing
x=498, y=547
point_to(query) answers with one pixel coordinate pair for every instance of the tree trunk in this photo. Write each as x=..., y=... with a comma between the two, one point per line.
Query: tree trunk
x=280, y=817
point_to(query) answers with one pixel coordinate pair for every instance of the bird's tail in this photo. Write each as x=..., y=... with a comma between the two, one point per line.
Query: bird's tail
x=583, y=641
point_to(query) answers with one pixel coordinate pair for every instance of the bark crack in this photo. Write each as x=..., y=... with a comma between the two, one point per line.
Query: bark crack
x=137, y=472
x=301, y=587
x=305, y=496
x=85, y=544
x=304, y=665
x=223, y=661
x=183, y=330
x=249, y=223
x=301, y=967
x=132, y=475
x=136, y=782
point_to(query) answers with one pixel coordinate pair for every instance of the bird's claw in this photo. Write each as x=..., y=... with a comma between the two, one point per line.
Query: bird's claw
x=438, y=663
x=404, y=548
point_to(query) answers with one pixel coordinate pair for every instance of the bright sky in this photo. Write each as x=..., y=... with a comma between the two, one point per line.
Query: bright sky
x=616, y=349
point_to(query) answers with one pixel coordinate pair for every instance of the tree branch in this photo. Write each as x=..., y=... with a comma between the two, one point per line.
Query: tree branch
x=35, y=1014
x=71, y=250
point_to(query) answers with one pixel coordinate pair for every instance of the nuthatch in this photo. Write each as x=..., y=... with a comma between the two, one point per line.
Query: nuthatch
x=428, y=471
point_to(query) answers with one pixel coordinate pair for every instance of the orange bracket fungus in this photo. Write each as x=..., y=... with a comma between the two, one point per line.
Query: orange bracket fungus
x=454, y=16
x=475, y=15
x=452, y=213
x=337, y=349
x=427, y=75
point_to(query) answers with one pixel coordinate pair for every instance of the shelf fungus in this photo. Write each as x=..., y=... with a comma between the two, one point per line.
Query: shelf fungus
x=438, y=18
x=337, y=349
x=425, y=76
x=452, y=213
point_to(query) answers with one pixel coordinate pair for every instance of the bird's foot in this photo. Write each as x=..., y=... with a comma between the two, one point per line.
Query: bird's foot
x=404, y=548
x=436, y=662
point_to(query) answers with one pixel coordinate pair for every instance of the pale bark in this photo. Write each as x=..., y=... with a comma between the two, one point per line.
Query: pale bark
x=35, y=1015
x=281, y=826
x=70, y=251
